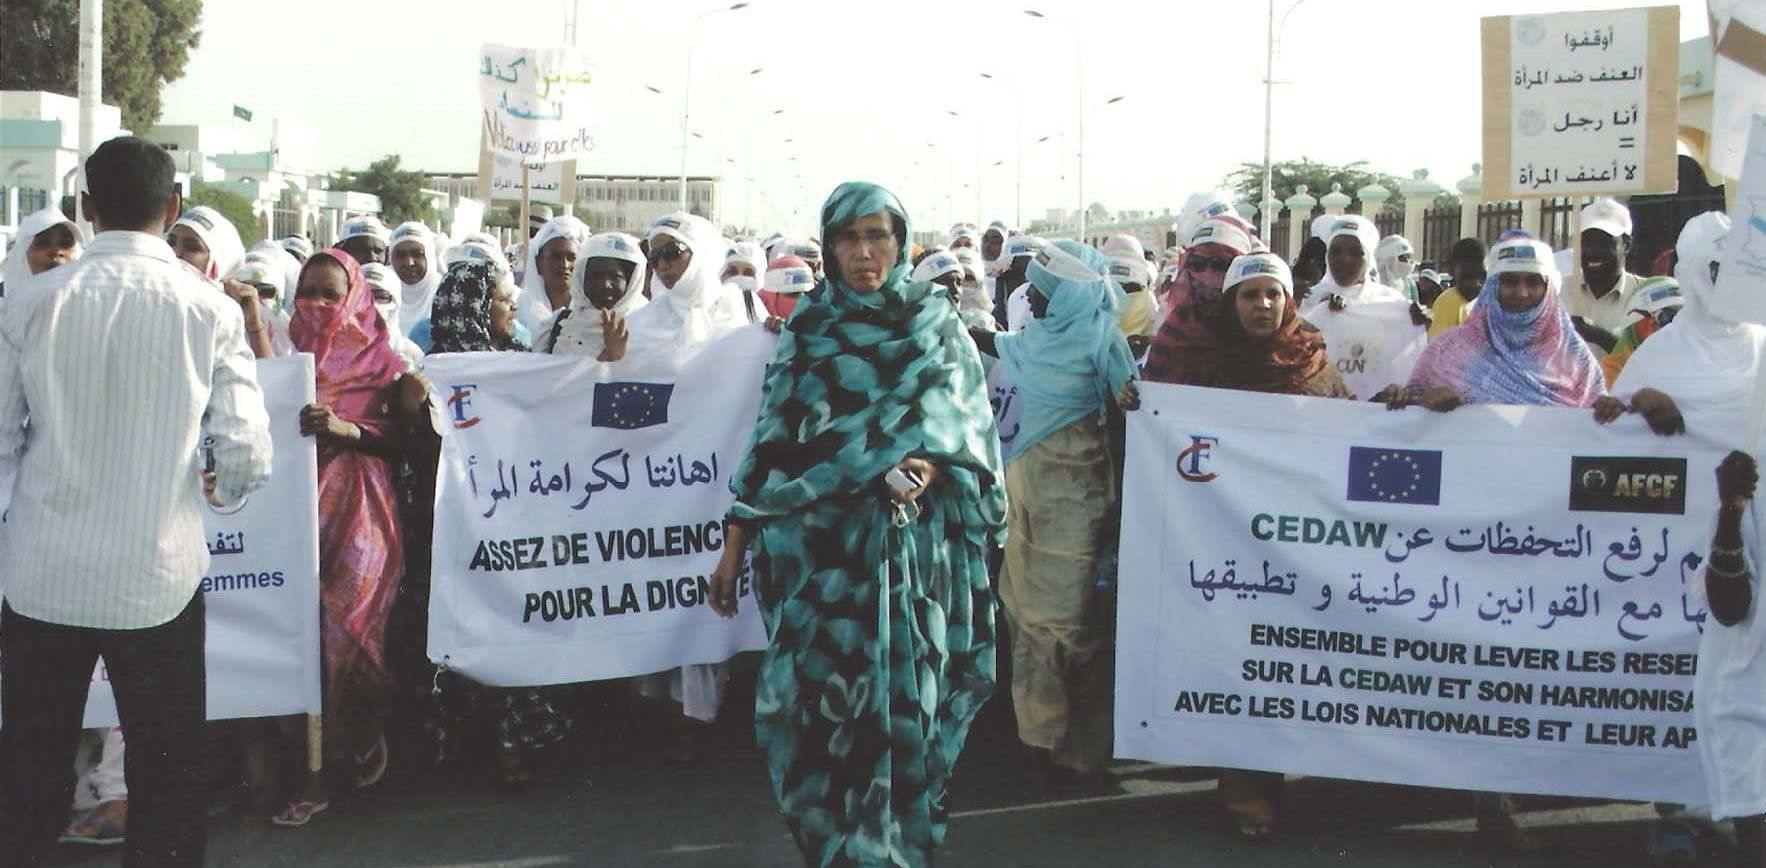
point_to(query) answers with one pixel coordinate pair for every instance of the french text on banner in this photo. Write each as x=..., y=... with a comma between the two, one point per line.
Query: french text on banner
x=579, y=512
x=1502, y=599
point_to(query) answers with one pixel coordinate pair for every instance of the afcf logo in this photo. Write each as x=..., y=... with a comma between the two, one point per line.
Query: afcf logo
x=460, y=403
x=1192, y=462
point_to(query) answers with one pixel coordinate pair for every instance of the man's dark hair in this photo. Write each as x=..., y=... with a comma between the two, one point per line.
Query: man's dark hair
x=1469, y=248
x=129, y=180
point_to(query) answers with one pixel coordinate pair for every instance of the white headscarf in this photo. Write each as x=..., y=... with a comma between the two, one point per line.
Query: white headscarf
x=535, y=308
x=1701, y=361
x=581, y=333
x=416, y=298
x=1369, y=290
x=268, y=251
x=937, y=263
x=225, y=250
x=1386, y=259
x=377, y=274
x=1203, y=205
x=17, y=268
x=748, y=253
x=698, y=307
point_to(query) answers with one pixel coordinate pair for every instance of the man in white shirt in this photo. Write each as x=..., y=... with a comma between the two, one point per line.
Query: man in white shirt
x=122, y=362
x=1600, y=303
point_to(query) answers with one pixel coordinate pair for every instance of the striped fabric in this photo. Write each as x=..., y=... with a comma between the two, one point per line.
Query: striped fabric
x=121, y=361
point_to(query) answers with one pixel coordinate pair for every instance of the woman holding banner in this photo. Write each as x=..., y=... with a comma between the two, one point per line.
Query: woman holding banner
x=1709, y=365
x=1516, y=347
x=871, y=493
x=1254, y=340
x=474, y=312
x=356, y=373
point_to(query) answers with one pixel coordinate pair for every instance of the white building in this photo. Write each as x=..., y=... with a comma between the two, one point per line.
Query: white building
x=40, y=149
x=610, y=203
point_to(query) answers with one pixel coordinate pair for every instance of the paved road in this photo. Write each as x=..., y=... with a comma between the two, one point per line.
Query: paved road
x=609, y=801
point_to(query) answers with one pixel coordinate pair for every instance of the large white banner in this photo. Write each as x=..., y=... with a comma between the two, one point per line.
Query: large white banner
x=262, y=586
x=1373, y=344
x=1498, y=598
x=535, y=102
x=579, y=512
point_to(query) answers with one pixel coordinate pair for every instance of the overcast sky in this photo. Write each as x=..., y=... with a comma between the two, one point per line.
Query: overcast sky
x=865, y=87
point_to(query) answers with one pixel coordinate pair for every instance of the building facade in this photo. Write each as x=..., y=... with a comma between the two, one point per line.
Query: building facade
x=611, y=203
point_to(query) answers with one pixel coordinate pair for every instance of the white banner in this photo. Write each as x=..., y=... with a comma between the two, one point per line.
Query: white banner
x=262, y=586
x=1373, y=345
x=1743, y=275
x=1498, y=599
x=579, y=512
x=535, y=102
x=1008, y=413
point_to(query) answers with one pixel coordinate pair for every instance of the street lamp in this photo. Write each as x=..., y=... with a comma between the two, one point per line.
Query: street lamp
x=687, y=88
x=1079, y=78
x=1268, y=110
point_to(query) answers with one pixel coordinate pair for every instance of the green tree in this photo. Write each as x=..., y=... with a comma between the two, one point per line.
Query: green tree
x=400, y=192
x=146, y=43
x=234, y=207
x=1285, y=176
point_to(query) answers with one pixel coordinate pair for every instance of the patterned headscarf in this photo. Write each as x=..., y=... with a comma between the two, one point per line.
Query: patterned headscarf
x=1526, y=357
x=862, y=380
x=1194, y=297
x=460, y=319
x=1284, y=363
x=1070, y=362
x=352, y=360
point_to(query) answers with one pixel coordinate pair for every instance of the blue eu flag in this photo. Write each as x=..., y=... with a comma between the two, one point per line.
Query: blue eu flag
x=1395, y=475
x=631, y=405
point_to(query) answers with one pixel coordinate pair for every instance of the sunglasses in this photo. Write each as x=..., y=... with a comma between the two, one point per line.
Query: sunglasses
x=668, y=253
x=1197, y=263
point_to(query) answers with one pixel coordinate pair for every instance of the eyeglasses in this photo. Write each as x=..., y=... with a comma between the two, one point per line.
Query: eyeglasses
x=1198, y=263
x=669, y=253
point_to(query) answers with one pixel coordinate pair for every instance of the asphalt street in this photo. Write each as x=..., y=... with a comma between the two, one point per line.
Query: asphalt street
x=607, y=798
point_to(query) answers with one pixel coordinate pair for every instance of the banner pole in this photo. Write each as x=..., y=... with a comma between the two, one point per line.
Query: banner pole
x=521, y=231
x=315, y=752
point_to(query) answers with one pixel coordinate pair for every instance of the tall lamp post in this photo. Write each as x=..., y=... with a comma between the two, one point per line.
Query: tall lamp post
x=687, y=88
x=1268, y=207
x=1079, y=111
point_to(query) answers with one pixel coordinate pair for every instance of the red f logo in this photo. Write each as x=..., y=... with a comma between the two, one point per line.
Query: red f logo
x=1192, y=460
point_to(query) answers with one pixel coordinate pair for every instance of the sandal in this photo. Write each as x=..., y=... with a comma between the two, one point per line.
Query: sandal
x=95, y=829
x=371, y=766
x=296, y=814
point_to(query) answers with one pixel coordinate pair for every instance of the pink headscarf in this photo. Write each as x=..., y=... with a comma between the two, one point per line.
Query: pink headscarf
x=353, y=359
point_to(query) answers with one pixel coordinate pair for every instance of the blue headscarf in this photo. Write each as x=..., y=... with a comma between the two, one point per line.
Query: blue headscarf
x=1069, y=363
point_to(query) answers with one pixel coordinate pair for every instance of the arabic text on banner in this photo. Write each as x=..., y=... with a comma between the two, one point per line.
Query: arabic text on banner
x=262, y=586
x=535, y=102
x=579, y=512
x=1501, y=599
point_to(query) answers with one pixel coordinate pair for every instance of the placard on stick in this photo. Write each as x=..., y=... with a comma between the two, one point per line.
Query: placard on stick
x=1581, y=103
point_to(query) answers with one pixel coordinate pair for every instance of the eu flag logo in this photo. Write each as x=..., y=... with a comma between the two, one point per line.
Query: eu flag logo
x=631, y=405
x=1395, y=475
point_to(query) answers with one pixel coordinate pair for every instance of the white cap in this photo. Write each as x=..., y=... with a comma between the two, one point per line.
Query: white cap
x=1024, y=246
x=1252, y=265
x=1607, y=215
x=1225, y=232
x=375, y=274
x=1123, y=245
x=366, y=224
x=1657, y=295
x=937, y=264
x=1526, y=256
x=789, y=275
x=1129, y=269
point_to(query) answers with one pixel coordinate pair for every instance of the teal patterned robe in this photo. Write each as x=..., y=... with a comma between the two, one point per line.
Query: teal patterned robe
x=881, y=623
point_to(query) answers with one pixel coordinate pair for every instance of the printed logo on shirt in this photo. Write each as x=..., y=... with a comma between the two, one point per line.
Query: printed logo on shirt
x=1192, y=462
x=1654, y=486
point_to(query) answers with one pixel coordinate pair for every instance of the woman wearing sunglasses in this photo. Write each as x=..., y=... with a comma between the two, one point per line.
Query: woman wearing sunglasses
x=1195, y=293
x=689, y=304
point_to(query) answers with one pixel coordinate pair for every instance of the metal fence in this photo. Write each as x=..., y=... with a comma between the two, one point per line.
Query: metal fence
x=1390, y=222
x=1495, y=218
x=1440, y=230
x=1278, y=236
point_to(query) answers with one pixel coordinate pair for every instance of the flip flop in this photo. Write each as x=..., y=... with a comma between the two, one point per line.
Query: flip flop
x=297, y=814
x=371, y=766
x=93, y=831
